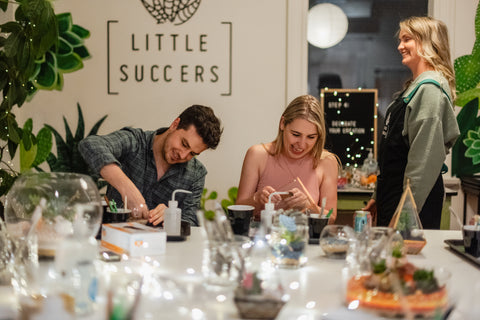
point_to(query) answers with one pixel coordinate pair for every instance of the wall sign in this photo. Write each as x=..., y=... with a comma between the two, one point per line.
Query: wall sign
x=351, y=122
x=170, y=50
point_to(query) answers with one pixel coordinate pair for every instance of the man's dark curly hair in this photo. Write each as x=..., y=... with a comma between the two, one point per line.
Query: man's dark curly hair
x=207, y=124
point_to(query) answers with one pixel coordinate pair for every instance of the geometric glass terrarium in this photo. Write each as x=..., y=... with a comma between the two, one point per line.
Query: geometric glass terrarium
x=407, y=222
x=69, y=198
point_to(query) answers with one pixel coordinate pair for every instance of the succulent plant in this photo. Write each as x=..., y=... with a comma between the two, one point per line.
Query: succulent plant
x=473, y=145
x=465, y=152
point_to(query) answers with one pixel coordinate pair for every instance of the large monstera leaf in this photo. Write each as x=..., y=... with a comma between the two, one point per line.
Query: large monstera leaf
x=467, y=70
x=175, y=11
x=64, y=59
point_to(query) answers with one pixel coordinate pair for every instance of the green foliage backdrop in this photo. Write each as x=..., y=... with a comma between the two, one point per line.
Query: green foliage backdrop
x=36, y=48
x=466, y=151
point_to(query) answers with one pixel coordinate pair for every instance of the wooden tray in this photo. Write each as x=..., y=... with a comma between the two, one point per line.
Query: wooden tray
x=457, y=247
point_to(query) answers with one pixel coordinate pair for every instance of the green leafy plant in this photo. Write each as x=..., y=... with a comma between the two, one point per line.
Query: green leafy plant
x=34, y=150
x=232, y=198
x=36, y=48
x=28, y=38
x=68, y=158
x=211, y=196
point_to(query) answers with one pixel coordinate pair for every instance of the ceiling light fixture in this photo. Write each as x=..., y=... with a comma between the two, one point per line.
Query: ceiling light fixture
x=327, y=25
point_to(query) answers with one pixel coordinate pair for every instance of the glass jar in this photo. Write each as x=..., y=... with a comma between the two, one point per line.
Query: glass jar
x=289, y=239
x=222, y=263
x=63, y=194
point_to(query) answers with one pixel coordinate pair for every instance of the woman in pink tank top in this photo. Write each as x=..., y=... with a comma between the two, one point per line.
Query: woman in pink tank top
x=295, y=162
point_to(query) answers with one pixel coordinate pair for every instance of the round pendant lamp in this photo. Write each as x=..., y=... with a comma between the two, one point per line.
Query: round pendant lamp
x=327, y=25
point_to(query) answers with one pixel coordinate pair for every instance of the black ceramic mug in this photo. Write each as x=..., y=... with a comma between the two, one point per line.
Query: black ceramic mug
x=121, y=215
x=240, y=217
x=316, y=225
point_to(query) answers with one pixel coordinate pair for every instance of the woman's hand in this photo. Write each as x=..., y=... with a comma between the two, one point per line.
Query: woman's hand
x=261, y=196
x=296, y=200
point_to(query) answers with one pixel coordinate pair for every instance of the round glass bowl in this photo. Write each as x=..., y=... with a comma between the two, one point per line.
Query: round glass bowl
x=73, y=204
x=335, y=239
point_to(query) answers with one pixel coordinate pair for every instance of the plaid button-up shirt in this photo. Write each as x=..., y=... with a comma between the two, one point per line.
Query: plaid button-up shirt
x=131, y=149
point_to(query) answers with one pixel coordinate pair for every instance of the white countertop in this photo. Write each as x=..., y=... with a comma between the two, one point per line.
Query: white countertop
x=315, y=290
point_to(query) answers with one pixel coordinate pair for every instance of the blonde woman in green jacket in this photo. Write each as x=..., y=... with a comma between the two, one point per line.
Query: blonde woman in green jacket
x=420, y=125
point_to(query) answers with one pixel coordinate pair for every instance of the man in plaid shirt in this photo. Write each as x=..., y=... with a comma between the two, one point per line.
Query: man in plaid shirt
x=147, y=166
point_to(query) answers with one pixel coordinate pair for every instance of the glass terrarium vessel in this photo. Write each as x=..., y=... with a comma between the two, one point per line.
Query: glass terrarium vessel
x=289, y=238
x=68, y=197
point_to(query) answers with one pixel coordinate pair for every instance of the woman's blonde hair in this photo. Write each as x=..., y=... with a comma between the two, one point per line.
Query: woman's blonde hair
x=432, y=36
x=304, y=107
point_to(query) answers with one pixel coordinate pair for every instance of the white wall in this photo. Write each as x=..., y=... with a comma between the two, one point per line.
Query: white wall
x=268, y=68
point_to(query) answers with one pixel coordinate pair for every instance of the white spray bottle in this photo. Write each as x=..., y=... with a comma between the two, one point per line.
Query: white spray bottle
x=173, y=216
x=266, y=215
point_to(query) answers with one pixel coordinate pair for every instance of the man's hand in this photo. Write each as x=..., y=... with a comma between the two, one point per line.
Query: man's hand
x=114, y=175
x=156, y=215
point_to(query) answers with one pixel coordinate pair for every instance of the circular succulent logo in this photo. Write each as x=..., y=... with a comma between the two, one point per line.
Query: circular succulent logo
x=175, y=11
